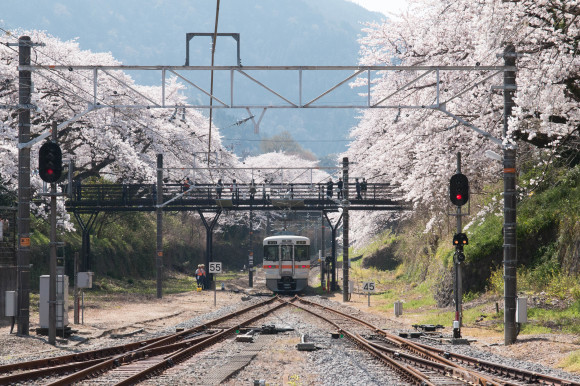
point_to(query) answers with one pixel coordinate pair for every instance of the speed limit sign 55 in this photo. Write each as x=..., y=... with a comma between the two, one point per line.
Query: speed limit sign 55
x=215, y=267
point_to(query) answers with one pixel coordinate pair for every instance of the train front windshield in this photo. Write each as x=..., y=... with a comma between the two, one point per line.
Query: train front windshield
x=301, y=252
x=270, y=252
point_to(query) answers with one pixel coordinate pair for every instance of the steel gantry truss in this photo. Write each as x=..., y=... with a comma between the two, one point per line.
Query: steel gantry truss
x=302, y=98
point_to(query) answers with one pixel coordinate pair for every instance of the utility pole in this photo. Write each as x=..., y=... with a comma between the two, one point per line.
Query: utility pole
x=23, y=261
x=159, y=255
x=322, y=246
x=251, y=254
x=509, y=202
x=52, y=263
x=458, y=276
x=345, y=230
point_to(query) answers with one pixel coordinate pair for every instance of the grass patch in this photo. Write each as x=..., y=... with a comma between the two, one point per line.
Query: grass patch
x=173, y=283
x=415, y=296
x=530, y=329
x=565, y=320
x=571, y=363
x=443, y=318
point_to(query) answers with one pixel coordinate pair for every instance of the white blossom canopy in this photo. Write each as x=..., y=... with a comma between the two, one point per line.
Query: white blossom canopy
x=417, y=148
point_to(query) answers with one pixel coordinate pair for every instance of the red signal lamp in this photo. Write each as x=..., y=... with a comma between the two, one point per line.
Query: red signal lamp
x=460, y=239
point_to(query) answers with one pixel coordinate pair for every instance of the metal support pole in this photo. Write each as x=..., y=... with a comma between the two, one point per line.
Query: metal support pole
x=209, y=240
x=345, y=231
x=333, y=229
x=322, y=241
x=251, y=254
x=86, y=239
x=23, y=264
x=509, y=197
x=333, y=255
x=52, y=262
x=159, y=254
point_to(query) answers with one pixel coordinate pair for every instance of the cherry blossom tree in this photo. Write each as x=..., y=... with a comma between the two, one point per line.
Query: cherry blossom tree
x=416, y=148
x=112, y=143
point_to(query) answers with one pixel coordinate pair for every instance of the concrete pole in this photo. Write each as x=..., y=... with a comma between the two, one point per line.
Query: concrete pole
x=52, y=262
x=458, y=276
x=509, y=197
x=76, y=289
x=345, y=231
x=159, y=255
x=23, y=263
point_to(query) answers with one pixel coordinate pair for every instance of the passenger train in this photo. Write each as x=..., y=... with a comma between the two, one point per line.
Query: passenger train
x=286, y=263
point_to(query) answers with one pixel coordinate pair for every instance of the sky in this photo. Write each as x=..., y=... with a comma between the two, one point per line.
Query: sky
x=383, y=6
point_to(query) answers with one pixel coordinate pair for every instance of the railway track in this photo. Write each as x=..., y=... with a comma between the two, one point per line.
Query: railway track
x=130, y=363
x=426, y=365
x=415, y=363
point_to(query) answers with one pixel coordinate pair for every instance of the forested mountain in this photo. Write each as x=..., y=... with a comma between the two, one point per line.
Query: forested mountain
x=281, y=32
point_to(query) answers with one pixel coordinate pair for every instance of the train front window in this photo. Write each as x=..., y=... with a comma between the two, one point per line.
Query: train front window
x=286, y=252
x=301, y=252
x=270, y=252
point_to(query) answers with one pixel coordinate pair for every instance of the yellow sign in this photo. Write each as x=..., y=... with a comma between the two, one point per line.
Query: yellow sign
x=25, y=241
x=160, y=253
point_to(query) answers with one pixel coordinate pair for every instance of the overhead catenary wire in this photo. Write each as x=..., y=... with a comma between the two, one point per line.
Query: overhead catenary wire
x=213, y=45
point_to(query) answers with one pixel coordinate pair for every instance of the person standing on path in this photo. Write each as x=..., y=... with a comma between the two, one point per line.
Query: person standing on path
x=219, y=188
x=363, y=188
x=235, y=191
x=339, y=185
x=198, y=275
x=329, y=188
x=358, y=196
x=252, y=190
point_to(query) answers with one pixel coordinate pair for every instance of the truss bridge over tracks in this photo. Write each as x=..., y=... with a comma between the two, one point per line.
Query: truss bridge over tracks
x=206, y=197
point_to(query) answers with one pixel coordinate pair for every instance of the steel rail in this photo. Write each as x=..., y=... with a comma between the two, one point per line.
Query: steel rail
x=48, y=371
x=77, y=357
x=393, y=339
x=467, y=374
x=62, y=364
x=520, y=374
x=407, y=372
x=445, y=356
x=187, y=353
x=138, y=354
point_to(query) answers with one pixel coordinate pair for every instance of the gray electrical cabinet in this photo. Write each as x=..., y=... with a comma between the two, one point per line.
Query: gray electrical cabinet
x=85, y=279
x=11, y=303
x=61, y=301
x=522, y=310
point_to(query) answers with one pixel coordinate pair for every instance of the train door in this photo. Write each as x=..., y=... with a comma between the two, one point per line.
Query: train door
x=286, y=260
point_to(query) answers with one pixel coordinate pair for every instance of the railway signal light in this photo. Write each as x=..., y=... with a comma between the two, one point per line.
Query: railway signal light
x=459, y=256
x=459, y=189
x=50, y=162
x=460, y=239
